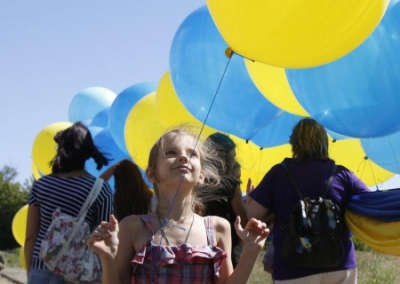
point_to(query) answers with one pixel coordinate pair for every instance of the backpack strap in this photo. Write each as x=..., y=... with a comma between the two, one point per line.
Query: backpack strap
x=289, y=174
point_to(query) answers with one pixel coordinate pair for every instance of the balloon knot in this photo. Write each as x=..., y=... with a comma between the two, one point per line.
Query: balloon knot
x=228, y=52
x=261, y=148
x=247, y=141
x=366, y=158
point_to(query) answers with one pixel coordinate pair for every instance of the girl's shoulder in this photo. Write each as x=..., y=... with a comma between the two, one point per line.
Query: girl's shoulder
x=131, y=222
x=220, y=225
x=134, y=228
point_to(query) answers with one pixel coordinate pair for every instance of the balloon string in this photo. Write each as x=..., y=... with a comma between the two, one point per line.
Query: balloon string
x=213, y=100
x=394, y=154
x=165, y=222
x=368, y=161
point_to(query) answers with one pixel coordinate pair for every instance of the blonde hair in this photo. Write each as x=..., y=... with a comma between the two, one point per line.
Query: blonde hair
x=210, y=162
x=309, y=140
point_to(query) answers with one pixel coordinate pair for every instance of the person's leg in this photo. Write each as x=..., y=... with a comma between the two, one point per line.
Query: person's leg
x=312, y=279
x=43, y=276
x=336, y=277
x=39, y=276
x=340, y=277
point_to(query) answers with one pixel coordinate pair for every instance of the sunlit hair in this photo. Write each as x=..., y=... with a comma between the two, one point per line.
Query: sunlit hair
x=209, y=161
x=132, y=195
x=224, y=145
x=309, y=140
x=74, y=146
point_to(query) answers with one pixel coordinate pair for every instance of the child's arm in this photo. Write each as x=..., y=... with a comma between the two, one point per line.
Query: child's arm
x=253, y=237
x=113, y=244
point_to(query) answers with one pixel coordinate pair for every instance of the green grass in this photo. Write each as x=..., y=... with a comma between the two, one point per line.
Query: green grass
x=12, y=257
x=373, y=268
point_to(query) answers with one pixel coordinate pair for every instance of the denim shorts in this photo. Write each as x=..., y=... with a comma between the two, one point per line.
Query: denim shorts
x=43, y=276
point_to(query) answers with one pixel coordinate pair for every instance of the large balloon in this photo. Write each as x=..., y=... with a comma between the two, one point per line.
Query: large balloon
x=349, y=153
x=87, y=103
x=43, y=150
x=273, y=84
x=256, y=162
x=121, y=107
x=170, y=109
x=18, y=225
x=384, y=151
x=142, y=129
x=295, y=33
x=277, y=132
x=101, y=118
x=357, y=95
x=105, y=143
x=212, y=87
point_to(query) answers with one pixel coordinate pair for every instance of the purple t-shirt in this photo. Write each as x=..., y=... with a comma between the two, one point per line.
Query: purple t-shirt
x=278, y=195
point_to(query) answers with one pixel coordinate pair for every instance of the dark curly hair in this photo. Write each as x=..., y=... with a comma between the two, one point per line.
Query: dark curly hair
x=74, y=146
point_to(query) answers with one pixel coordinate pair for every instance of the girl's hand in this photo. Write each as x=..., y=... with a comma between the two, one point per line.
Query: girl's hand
x=104, y=239
x=254, y=233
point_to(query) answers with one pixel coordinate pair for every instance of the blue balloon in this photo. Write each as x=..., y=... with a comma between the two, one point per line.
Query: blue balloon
x=384, y=151
x=336, y=136
x=88, y=103
x=277, y=132
x=359, y=94
x=106, y=144
x=121, y=107
x=101, y=119
x=197, y=66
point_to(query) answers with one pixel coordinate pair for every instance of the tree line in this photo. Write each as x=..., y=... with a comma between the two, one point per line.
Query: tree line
x=13, y=196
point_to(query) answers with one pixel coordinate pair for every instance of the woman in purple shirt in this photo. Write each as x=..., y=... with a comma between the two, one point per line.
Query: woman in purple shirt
x=311, y=168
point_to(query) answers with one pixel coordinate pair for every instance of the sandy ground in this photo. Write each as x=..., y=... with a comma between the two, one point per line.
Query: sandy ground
x=13, y=275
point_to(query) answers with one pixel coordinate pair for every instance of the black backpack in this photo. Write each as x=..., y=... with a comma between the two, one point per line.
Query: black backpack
x=313, y=238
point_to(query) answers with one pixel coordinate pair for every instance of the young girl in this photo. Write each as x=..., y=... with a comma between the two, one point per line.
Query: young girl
x=174, y=244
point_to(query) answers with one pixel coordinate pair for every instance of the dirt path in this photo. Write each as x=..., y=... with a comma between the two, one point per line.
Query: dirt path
x=13, y=275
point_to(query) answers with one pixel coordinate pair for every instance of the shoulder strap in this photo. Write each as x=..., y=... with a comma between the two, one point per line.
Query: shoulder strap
x=289, y=174
x=209, y=230
x=94, y=192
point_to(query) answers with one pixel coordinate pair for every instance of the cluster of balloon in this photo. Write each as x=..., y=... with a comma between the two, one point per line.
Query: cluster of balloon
x=357, y=95
x=224, y=98
x=121, y=107
x=18, y=227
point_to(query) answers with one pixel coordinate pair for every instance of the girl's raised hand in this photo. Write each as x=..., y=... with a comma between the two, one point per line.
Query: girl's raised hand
x=254, y=233
x=104, y=239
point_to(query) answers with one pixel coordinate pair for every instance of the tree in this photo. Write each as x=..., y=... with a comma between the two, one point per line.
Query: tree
x=12, y=197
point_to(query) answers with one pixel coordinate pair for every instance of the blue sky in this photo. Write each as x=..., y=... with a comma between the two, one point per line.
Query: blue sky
x=51, y=50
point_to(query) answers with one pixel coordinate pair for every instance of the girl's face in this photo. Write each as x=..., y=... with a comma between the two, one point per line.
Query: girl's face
x=178, y=159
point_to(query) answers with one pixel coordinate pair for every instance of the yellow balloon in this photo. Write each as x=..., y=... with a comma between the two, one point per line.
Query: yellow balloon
x=296, y=33
x=349, y=153
x=171, y=110
x=256, y=162
x=22, y=258
x=272, y=83
x=142, y=129
x=18, y=225
x=383, y=237
x=43, y=150
x=35, y=172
